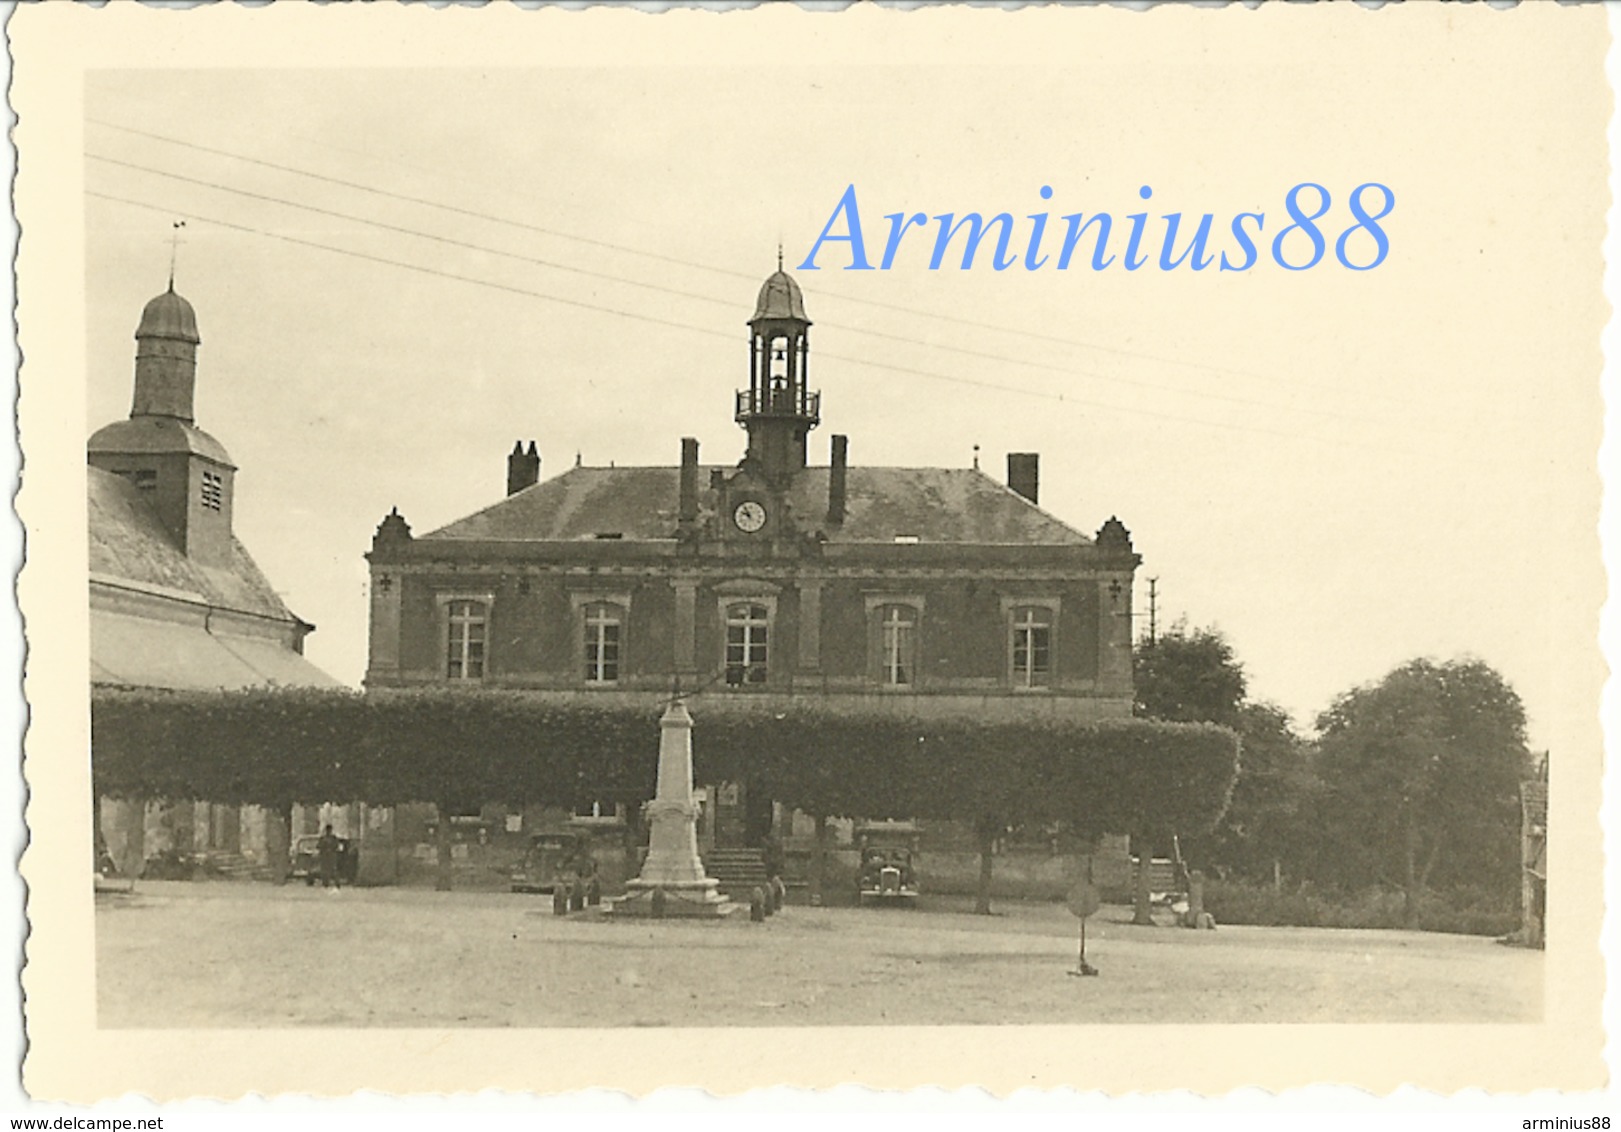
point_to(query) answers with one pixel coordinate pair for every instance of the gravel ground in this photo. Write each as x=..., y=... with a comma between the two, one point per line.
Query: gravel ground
x=250, y=955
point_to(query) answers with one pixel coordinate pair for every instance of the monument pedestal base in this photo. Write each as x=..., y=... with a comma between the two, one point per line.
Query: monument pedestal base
x=688, y=900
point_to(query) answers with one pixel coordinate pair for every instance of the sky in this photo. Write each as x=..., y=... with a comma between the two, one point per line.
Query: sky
x=1340, y=470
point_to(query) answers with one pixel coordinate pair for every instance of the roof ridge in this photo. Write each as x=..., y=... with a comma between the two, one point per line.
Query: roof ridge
x=947, y=505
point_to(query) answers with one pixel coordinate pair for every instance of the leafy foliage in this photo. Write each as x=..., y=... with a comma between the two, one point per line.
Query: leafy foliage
x=465, y=748
x=1271, y=822
x=1409, y=797
x=1306, y=905
x=1423, y=772
x=1189, y=676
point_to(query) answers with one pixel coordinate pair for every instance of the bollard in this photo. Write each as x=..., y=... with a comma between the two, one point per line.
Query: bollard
x=658, y=903
x=757, y=906
x=559, y=901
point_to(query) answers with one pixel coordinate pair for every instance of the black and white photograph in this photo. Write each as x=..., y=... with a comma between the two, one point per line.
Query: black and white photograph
x=893, y=532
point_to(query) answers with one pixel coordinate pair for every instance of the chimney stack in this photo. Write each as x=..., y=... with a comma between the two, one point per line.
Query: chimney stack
x=836, y=480
x=687, y=516
x=1023, y=473
x=523, y=468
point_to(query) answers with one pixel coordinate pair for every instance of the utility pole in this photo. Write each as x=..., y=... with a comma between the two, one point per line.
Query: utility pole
x=1153, y=611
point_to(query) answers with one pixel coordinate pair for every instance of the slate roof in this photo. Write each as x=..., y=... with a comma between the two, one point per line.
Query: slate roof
x=934, y=505
x=143, y=652
x=157, y=434
x=129, y=542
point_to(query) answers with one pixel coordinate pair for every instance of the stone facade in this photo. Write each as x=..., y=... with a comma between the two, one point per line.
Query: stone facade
x=920, y=591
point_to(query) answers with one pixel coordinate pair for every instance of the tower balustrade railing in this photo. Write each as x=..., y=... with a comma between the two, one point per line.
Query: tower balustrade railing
x=807, y=404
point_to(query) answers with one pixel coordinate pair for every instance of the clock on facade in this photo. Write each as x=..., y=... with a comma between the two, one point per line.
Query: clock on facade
x=749, y=516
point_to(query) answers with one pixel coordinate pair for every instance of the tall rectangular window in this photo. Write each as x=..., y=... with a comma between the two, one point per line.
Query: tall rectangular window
x=1032, y=647
x=898, y=645
x=747, y=628
x=603, y=625
x=469, y=622
x=213, y=490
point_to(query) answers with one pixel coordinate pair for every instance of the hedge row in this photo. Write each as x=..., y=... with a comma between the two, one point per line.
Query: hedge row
x=275, y=747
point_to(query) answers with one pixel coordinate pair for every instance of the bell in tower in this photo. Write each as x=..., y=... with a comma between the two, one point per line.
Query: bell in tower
x=778, y=408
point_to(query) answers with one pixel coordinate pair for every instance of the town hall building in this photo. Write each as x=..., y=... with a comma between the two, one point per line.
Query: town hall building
x=916, y=591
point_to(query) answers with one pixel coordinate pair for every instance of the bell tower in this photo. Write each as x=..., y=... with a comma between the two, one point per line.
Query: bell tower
x=778, y=408
x=185, y=475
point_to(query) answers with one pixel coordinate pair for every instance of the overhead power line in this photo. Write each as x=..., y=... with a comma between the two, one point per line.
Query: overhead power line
x=674, y=324
x=958, y=320
x=590, y=273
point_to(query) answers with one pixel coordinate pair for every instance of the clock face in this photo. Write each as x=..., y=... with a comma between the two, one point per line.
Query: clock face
x=749, y=516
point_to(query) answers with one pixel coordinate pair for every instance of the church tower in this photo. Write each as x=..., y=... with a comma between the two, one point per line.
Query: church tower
x=778, y=408
x=185, y=474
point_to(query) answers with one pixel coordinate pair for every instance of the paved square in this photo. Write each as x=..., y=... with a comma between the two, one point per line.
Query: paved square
x=234, y=955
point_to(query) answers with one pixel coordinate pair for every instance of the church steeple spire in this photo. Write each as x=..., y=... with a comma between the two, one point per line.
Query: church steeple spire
x=779, y=408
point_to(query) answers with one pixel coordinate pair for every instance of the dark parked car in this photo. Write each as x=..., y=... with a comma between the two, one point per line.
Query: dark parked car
x=554, y=859
x=886, y=874
x=307, y=860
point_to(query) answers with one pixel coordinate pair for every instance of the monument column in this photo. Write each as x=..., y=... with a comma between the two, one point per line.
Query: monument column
x=672, y=881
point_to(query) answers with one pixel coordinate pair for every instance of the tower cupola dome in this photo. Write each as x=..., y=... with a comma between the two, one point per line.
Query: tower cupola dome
x=780, y=297
x=166, y=358
x=169, y=316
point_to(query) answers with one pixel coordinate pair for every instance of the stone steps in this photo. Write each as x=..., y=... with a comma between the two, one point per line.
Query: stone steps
x=737, y=872
x=232, y=866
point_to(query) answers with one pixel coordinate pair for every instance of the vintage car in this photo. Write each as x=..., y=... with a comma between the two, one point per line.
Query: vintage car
x=886, y=874
x=306, y=859
x=554, y=859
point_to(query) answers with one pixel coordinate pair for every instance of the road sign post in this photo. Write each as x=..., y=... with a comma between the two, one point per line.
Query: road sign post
x=1083, y=901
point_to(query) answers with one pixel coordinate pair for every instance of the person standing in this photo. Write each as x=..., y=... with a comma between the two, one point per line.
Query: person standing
x=326, y=851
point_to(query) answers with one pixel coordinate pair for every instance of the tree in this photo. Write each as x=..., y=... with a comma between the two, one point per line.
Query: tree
x=1182, y=676
x=1188, y=676
x=1422, y=772
x=1270, y=819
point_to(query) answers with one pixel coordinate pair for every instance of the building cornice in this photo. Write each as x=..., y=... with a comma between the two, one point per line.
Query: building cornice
x=190, y=599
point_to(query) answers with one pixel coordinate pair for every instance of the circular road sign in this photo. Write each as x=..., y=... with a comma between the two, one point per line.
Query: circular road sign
x=1083, y=899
